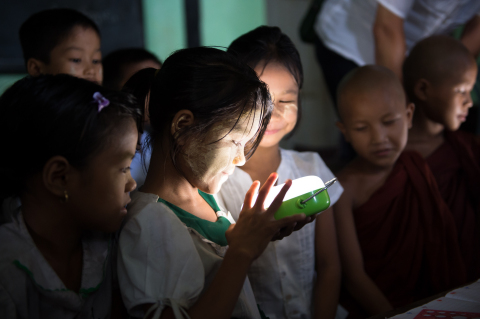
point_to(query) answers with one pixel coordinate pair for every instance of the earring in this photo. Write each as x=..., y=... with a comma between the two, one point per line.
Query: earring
x=66, y=196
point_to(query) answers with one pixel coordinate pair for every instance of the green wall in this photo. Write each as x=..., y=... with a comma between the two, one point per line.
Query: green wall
x=221, y=21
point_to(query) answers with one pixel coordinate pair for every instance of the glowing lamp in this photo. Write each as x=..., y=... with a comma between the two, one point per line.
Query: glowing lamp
x=307, y=195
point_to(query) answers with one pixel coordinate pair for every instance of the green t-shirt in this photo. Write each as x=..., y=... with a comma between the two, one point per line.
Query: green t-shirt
x=213, y=231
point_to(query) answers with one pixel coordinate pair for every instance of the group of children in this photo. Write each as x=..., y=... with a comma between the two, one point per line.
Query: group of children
x=190, y=241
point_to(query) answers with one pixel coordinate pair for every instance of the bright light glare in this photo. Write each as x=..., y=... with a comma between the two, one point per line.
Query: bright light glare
x=299, y=187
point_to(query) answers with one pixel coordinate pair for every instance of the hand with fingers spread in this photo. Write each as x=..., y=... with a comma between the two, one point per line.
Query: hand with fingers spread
x=256, y=226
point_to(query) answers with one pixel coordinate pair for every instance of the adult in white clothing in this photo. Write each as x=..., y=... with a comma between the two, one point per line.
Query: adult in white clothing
x=354, y=33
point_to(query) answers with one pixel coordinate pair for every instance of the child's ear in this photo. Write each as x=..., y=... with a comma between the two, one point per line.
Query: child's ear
x=35, y=67
x=341, y=127
x=181, y=120
x=420, y=89
x=410, y=111
x=55, y=175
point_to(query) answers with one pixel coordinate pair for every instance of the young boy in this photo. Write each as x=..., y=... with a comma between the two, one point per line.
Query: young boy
x=438, y=75
x=120, y=65
x=62, y=41
x=396, y=236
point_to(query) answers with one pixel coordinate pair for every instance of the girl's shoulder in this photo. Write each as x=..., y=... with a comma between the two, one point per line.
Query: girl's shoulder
x=145, y=206
x=148, y=219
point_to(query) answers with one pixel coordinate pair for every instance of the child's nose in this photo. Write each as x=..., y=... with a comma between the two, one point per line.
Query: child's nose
x=379, y=135
x=239, y=160
x=468, y=100
x=131, y=184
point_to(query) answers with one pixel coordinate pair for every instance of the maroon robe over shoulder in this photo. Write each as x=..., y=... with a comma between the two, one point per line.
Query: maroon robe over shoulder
x=408, y=237
x=456, y=167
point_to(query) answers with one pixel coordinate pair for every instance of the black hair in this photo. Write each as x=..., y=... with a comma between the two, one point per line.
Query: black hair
x=44, y=30
x=214, y=85
x=52, y=115
x=269, y=44
x=114, y=64
x=437, y=58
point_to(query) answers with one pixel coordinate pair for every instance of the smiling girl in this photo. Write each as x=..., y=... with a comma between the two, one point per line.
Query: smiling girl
x=207, y=113
x=71, y=143
x=299, y=276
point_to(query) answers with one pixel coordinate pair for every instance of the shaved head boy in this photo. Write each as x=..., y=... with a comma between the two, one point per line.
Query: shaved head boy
x=388, y=196
x=439, y=75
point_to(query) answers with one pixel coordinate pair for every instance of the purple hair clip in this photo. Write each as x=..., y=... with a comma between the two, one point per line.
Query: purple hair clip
x=101, y=100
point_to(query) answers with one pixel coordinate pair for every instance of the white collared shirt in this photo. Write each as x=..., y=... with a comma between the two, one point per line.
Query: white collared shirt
x=163, y=262
x=346, y=26
x=30, y=288
x=283, y=277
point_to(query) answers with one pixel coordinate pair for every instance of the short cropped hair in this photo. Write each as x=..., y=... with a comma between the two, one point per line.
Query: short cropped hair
x=114, y=63
x=44, y=30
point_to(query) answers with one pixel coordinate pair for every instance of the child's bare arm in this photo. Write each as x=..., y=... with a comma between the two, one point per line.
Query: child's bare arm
x=357, y=282
x=389, y=37
x=327, y=264
x=471, y=35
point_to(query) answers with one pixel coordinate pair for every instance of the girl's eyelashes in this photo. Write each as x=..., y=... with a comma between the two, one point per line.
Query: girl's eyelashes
x=97, y=61
x=237, y=143
x=125, y=169
x=76, y=60
x=389, y=122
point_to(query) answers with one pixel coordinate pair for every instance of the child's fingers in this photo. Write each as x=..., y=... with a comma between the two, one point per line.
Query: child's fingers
x=284, y=232
x=286, y=221
x=265, y=189
x=248, y=202
x=279, y=199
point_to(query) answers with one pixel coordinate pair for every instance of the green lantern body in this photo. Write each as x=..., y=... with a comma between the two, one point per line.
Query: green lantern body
x=301, y=189
x=293, y=206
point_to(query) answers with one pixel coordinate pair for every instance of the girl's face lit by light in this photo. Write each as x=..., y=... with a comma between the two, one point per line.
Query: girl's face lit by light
x=209, y=163
x=284, y=91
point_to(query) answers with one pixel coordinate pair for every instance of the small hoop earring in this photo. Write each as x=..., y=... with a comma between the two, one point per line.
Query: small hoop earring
x=66, y=196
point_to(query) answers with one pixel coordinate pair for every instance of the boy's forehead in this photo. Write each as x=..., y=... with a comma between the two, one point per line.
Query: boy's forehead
x=370, y=104
x=79, y=38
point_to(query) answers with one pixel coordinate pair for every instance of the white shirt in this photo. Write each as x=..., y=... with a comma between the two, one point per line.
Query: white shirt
x=164, y=262
x=283, y=277
x=346, y=26
x=30, y=288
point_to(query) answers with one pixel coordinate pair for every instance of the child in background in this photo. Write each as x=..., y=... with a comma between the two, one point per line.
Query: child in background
x=439, y=75
x=120, y=65
x=207, y=113
x=283, y=277
x=397, y=238
x=62, y=41
x=72, y=143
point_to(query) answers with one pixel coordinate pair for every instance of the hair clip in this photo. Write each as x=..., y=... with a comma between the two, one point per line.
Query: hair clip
x=101, y=100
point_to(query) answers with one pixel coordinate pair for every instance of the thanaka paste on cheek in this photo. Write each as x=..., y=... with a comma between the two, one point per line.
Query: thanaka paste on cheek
x=208, y=161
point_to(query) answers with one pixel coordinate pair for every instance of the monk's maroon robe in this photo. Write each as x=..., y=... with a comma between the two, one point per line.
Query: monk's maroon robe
x=456, y=167
x=408, y=237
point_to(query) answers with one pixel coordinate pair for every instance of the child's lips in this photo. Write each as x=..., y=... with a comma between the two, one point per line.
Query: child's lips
x=270, y=132
x=462, y=117
x=383, y=152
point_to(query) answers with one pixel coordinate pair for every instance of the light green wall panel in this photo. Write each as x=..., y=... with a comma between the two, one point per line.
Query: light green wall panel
x=6, y=80
x=222, y=21
x=164, y=26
